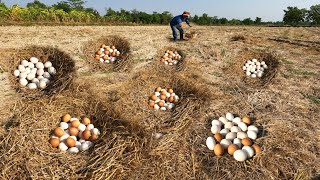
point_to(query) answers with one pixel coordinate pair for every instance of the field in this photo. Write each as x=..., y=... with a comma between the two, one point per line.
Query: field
x=286, y=106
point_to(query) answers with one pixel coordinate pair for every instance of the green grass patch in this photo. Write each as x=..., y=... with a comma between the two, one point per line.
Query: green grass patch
x=313, y=99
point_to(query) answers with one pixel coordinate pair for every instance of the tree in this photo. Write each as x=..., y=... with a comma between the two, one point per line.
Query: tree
x=294, y=16
x=247, y=21
x=62, y=5
x=36, y=4
x=75, y=4
x=258, y=21
x=314, y=14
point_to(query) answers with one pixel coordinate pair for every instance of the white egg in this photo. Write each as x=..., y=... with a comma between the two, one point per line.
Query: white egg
x=21, y=68
x=90, y=126
x=56, y=137
x=31, y=76
x=244, y=68
x=64, y=137
x=47, y=64
x=73, y=150
x=23, y=82
x=168, y=94
x=64, y=125
x=248, y=73
x=47, y=81
x=249, y=151
x=216, y=122
x=247, y=65
x=235, y=129
x=170, y=64
x=231, y=136
x=42, y=84
x=252, y=70
x=176, y=98
x=243, y=126
x=101, y=49
x=74, y=137
x=39, y=65
x=265, y=66
x=118, y=53
x=166, y=63
x=228, y=125
x=40, y=77
x=82, y=141
x=259, y=74
x=263, y=63
x=82, y=127
x=258, y=63
x=210, y=143
x=253, y=128
x=73, y=119
x=23, y=75
x=242, y=135
x=215, y=129
x=16, y=73
x=223, y=120
x=78, y=144
x=30, y=65
x=254, y=60
x=34, y=70
x=107, y=61
x=229, y=116
x=46, y=75
x=28, y=70
x=175, y=62
x=173, y=94
x=95, y=131
x=249, y=62
x=25, y=63
x=101, y=60
x=63, y=146
x=253, y=75
x=157, y=93
x=34, y=60
x=40, y=72
x=225, y=143
x=156, y=107
x=255, y=72
x=252, y=135
x=163, y=108
x=240, y=155
x=36, y=81
x=237, y=142
x=224, y=132
x=86, y=145
x=236, y=120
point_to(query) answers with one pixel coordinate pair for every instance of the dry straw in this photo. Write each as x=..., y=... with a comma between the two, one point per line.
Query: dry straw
x=122, y=63
x=64, y=65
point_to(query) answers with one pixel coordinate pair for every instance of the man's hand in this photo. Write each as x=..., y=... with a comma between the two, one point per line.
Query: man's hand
x=190, y=26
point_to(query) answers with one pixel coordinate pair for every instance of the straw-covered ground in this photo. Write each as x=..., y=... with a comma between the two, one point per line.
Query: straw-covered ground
x=140, y=143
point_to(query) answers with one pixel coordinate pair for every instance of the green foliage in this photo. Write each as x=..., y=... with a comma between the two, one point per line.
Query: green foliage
x=314, y=14
x=36, y=4
x=294, y=16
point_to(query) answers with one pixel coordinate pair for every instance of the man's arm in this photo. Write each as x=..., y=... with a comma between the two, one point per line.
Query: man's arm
x=188, y=22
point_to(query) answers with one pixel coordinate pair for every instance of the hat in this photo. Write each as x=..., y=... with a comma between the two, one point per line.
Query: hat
x=186, y=13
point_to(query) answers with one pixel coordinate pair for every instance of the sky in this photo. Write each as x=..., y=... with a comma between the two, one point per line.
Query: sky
x=268, y=10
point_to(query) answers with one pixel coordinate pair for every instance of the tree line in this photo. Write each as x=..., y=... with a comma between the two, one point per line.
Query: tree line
x=73, y=11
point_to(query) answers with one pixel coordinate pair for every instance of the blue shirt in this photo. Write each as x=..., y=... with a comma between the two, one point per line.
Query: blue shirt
x=178, y=19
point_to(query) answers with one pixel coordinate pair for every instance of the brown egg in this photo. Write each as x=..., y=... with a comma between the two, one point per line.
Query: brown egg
x=246, y=142
x=86, y=121
x=158, y=89
x=99, y=52
x=163, y=97
x=107, y=52
x=171, y=99
x=246, y=120
x=93, y=137
x=232, y=148
x=113, y=47
x=107, y=48
x=167, y=51
x=257, y=148
x=114, y=54
x=164, y=92
x=97, y=57
x=54, y=142
x=154, y=97
x=169, y=60
x=86, y=134
x=151, y=103
x=162, y=60
x=170, y=56
x=103, y=46
x=170, y=91
x=73, y=131
x=58, y=132
x=175, y=58
x=70, y=142
x=105, y=57
x=75, y=123
x=218, y=137
x=164, y=57
x=66, y=118
x=161, y=104
x=218, y=150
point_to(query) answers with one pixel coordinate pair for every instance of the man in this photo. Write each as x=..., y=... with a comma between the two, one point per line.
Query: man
x=176, y=23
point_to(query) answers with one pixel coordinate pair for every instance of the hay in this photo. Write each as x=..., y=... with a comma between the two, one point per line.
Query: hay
x=65, y=70
x=122, y=63
x=234, y=70
x=159, y=67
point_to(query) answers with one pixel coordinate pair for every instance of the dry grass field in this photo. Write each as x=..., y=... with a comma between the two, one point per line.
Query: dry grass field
x=285, y=106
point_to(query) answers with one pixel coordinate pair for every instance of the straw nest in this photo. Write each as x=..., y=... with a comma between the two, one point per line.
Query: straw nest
x=122, y=63
x=63, y=63
x=234, y=70
x=165, y=68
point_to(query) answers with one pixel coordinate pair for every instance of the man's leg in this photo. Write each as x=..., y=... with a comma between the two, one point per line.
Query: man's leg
x=181, y=32
x=174, y=33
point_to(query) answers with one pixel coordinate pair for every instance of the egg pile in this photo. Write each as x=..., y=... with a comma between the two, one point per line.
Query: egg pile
x=34, y=74
x=73, y=135
x=163, y=99
x=234, y=135
x=107, y=54
x=170, y=57
x=254, y=68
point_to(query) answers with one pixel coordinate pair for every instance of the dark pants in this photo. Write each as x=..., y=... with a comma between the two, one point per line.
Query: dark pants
x=174, y=32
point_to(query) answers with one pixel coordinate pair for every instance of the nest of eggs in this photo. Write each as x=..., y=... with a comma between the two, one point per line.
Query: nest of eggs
x=63, y=63
x=179, y=66
x=270, y=59
x=122, y=62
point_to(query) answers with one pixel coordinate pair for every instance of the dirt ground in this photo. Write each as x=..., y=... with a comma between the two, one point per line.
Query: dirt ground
x=287, y=110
